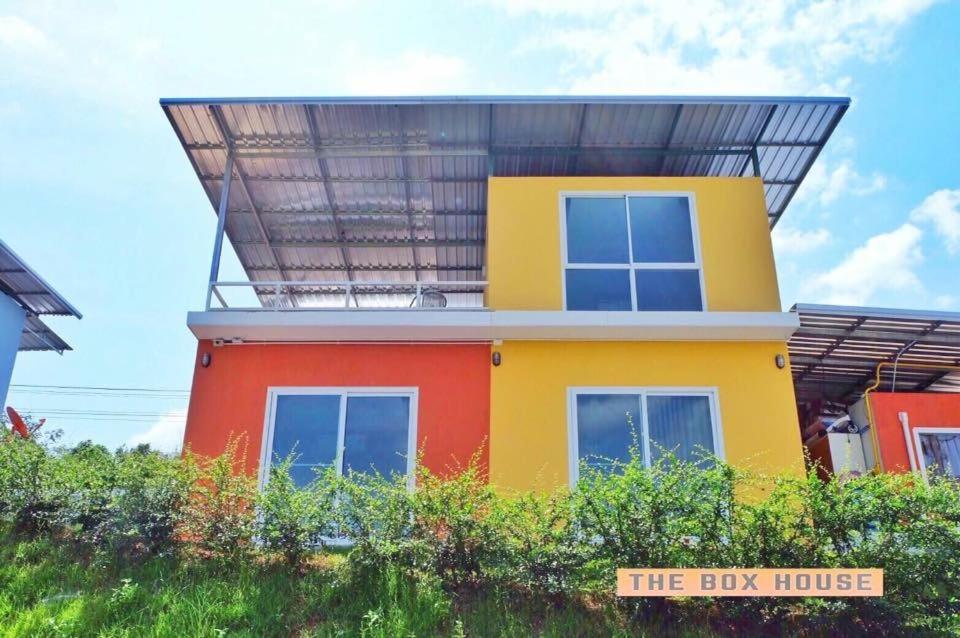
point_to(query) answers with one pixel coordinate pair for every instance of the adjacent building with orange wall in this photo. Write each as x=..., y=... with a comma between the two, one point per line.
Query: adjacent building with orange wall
x=531, y=281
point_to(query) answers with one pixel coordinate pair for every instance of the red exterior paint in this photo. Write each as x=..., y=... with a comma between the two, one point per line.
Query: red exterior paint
x=453, y=421
x=924, y=410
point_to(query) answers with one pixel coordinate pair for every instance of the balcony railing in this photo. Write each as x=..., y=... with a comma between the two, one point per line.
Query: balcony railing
x=348, y=295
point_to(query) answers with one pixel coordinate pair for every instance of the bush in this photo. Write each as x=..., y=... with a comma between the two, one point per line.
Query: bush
x=294, y=521
x=29, y=496
x=219, y=513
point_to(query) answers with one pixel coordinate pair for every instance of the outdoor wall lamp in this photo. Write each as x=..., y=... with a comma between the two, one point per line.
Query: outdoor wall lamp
x=496, y=358
x=205, y=360
x=780, y=361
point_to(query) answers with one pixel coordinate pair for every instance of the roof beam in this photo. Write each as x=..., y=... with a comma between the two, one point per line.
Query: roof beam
x=673, y=130
x=404, y=172
x=391, y=268
x=368, y=243
x=316, y=212
x=319, y=179
x=327, y=186
x=221, y=124
x=898, y=338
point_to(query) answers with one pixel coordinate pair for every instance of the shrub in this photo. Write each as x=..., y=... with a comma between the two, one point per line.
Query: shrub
x=456, y=520
x=542, y=549
x=294, y=521
x=219, y=513
x=376, y=514
x=29, y=497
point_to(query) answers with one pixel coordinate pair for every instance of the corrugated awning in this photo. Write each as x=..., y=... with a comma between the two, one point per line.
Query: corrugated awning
x=368, y=189
x=27, y=288
x=37, y=336
x=834, y=354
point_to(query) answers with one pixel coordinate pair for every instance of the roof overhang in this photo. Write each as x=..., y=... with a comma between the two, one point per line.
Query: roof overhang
x=355, y=189
x=38, y=337
x=487, y=325
x=20, y=282
x=835, y=352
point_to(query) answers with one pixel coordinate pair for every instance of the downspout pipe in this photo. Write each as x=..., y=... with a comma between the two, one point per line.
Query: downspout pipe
x=876, y=384
x=905, y=423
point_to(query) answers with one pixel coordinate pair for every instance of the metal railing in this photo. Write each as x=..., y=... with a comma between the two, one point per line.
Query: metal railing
x=348, y=295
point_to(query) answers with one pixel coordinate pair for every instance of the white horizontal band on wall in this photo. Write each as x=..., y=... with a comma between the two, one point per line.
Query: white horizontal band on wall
x=488, y=325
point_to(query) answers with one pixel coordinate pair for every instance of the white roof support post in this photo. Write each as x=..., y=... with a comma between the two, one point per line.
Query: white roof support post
x=221, y=226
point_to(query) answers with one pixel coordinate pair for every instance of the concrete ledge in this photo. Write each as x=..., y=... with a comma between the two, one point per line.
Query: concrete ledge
x=488, y=325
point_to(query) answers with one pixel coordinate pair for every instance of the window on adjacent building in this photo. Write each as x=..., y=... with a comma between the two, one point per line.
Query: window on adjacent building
x=607, y=424
x=631, y=252
x=940, y=451
x=352, y=430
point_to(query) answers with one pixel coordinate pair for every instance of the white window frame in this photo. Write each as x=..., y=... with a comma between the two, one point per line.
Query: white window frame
x=921, y=461
x=269, y=421
x=643, y=392
x=697, y=263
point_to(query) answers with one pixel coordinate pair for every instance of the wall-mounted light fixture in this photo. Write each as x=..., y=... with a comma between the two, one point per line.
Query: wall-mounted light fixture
x=780, y=361
x=205, y=360
x=496, y=358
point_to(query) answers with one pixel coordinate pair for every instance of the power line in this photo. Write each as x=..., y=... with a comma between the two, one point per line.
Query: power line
x=97, y=387
x=67, y=411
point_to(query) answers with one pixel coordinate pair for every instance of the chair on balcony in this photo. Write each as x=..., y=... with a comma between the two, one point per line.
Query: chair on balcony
x=430, y=298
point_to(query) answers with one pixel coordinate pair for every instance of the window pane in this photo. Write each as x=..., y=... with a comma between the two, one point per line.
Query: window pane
x=660, y=229
x=306, y=426
x=375, y=438
x=681, y=425
x=607, y=425
x=668, y=290
x=598, y=290
x=597, y=230
x=941, y=453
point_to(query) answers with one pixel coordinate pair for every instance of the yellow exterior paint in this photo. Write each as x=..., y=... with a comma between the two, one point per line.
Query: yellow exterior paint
x=523, y=239
x=528, y=394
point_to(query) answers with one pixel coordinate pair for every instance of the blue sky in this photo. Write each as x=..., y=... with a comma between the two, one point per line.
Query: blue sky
x=99, y=198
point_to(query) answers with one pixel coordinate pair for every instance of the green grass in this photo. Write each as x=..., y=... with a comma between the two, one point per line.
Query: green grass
x=46, y=589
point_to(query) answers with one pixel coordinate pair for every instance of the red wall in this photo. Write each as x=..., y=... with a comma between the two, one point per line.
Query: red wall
x=924, y=410
x=453, y=421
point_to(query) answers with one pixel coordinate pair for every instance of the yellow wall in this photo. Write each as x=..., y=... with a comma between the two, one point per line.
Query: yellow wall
x=523, y=239
x=528, y=394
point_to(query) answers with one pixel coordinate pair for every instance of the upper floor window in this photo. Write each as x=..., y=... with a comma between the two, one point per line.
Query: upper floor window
x=631, y=252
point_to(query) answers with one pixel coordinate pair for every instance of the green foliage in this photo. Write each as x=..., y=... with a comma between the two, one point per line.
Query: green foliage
x=294, y=521
x=218, y=516
x=454, y=555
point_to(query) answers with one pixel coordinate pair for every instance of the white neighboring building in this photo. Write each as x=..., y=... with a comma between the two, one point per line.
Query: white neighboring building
x=24, y=296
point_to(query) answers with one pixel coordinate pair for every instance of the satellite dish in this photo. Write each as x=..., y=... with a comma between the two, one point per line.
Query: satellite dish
x=17, y=423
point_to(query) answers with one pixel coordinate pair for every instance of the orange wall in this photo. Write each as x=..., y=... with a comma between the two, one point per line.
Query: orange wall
x=229, y=396
x=924, y=410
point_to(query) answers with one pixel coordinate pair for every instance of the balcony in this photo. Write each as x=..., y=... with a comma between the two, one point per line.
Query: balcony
x=346, y=295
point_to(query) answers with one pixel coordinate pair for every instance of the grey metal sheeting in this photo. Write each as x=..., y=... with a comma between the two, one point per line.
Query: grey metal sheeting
x=835, y=352
x=339, y=189
x=28, y=289
x=37, y=335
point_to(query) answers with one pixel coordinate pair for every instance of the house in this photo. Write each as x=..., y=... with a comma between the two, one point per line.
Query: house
x=878, y=388
x=537, y=280
x=24, y=297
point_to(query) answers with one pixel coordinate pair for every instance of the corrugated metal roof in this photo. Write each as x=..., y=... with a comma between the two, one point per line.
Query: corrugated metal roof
x=37, y=335
x=342, y=187
x=27, y=288
x=834, y=354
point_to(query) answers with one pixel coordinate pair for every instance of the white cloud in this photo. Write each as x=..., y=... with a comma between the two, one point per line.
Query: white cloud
x=166, y=434
x=945, y=302
x=17, y=33
x=942, y=209
x=714, y=46
x=825, y=184
x=789, y=241
x=885, y=262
